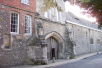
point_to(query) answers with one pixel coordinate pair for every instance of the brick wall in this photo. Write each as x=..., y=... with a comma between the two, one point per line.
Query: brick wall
x=17, y=54
x=18, y=4
x=21, y=13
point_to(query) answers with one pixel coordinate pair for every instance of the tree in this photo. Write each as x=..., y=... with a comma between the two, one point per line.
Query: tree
x=48, y=4
x=93, y=7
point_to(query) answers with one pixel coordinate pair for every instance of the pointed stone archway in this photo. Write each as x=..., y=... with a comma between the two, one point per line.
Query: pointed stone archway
x=55, y=45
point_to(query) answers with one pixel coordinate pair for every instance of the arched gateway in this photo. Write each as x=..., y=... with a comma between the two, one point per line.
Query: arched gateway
x=53, y=39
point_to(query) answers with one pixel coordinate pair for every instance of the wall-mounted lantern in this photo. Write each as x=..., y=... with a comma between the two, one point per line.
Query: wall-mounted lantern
x=39, y=27
x=40, y=30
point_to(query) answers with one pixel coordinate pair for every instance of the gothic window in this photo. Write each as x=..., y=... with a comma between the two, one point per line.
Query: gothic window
x=91, y=41
x=28, y=24
x=58, y=15
x=46, y=14
x=25, y=2
x=14, y=22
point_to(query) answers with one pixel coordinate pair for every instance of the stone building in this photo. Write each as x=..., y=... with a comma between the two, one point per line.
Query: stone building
x=79, y=36
x=27, y=34
x=85, y=34
x=53, y=22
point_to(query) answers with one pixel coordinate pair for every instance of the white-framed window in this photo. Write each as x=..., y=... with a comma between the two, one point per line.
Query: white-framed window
x=25, y=2
x=14, y=22
x=28, y=25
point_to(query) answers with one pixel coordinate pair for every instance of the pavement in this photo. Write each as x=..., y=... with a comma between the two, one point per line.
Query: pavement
x=58, y=62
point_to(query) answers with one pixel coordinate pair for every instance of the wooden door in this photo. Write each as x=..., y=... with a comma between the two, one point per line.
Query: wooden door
x=52, y=49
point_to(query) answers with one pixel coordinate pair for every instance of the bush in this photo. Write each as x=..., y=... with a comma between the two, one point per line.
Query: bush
x=40, y=62
x=36, y=62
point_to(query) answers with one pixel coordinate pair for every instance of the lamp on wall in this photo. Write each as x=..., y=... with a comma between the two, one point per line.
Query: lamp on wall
x=39, y=27
x=40, y=30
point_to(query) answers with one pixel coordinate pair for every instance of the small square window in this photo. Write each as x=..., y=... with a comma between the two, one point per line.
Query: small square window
x=6, y=42
x=25, y=2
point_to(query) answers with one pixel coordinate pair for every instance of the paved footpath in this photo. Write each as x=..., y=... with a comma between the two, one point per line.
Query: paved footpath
x=58, y=62
x=90, y=62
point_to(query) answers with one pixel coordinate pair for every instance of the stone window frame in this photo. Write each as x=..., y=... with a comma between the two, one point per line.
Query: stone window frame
x=25, y=2
x=15, y=28
x=28, y=20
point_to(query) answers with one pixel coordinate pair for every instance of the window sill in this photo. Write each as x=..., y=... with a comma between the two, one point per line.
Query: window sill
x=28, y=34
x=14, y=33
x=26, y=4
x=3, y=47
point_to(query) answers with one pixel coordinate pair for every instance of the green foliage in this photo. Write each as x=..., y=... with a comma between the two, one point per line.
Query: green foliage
x=85, y=1
x=37, y=62
x=99, y=26
x=94, y=8
x=40, y=62
x=48, y=4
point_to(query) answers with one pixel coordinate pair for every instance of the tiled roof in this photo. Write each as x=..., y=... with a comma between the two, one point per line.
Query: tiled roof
x=75, y=19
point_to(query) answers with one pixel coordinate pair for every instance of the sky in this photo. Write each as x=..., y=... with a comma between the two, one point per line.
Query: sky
x=77, y=11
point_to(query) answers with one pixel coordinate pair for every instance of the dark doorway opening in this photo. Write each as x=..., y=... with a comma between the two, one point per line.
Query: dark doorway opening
x=53, y=53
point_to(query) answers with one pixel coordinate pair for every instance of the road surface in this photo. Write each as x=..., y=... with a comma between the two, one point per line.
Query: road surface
x=91, y=62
